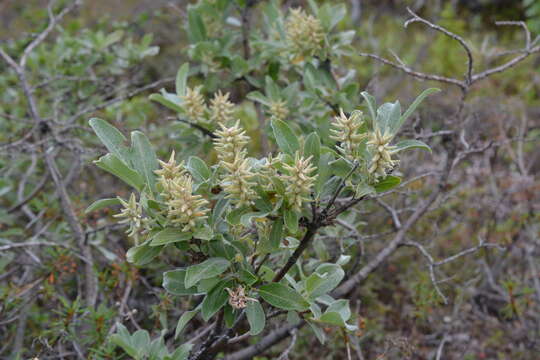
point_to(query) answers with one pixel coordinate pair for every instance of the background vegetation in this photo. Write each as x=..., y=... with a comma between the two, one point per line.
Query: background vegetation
x=103, y=59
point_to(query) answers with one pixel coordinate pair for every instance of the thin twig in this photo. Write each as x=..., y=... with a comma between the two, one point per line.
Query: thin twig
x=392, y=212
x=416, y=74
x=53, y=20
x=340, y=187
x=128, y=95
x=285, y=354
x=441, y=346
x=432, y=264
x=506, y=65
x=27, y=244
x=534, y=271
x=202, y=129
x=32, y=195
x=470, y=77
x=459, y=39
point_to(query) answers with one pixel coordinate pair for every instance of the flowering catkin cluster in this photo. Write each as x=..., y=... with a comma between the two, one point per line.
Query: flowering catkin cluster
x=305, y=33
x=212, y=23
x=278, y=110
x=221, y=109
x=346, y=132
x=194, y=104
x=132, y=214
x=184, y=209
x=268, y=170
x=381, y=150
x=169, y=171
x=230, y=146
x=298, y=181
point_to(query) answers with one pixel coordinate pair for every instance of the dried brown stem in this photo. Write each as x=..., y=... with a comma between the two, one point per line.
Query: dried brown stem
x=459, y=39
x=470, y=77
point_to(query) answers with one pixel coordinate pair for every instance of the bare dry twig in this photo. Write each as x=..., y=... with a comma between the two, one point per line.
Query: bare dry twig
x=44, y=127
x=470, y=77
x=432, y=264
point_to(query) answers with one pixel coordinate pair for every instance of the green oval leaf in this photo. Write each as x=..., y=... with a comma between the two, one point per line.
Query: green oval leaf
x=387, y=115
x=169, y=100
x=181, y=79
x=411, y=144
x=207, y=269
x=325, y=278
x=197, y=30
x=342, y=307
x=174, y=282
x=258, y=97
x=102, y=203
x=371, y=105
x=283, y=297
x=413, y=107
x=276, y=234
x=312, y=147
x=256, y=317
x=387, y=183
x=124, y=339
x=142, y=254
x=215, y=299
x=247, y=277
x=291, y=220
x=117, y=167
x=285, y=137
x=111, y=137
x=198, y=169
x=170, y=235
x=332, y=318
x=145, y=159
x=183, y=321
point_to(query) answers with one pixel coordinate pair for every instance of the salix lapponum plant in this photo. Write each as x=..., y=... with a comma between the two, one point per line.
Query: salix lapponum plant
x=239, y=220
x=238, y=210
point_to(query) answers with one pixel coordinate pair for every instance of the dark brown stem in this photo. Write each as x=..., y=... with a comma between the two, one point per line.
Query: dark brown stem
x=203, y=130
x=308, y=236
x=219, y=321
x=269, y=340
x=338, y=191
x=245, y=28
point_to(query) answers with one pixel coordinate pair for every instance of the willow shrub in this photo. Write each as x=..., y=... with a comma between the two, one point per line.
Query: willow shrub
x=246, y=226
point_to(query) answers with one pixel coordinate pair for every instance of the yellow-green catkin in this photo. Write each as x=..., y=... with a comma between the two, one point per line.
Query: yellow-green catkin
x=194, y=105
x=169, y=171
x=184, y=209
x=381, y=150
x=298, y=181
x=305, y=34
x=238, y=179
x=132, y=215
x=268, y=170
x=278, y=110
x=230, y=142
x=346, y=132
x=221, y=109
x=212, y=24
